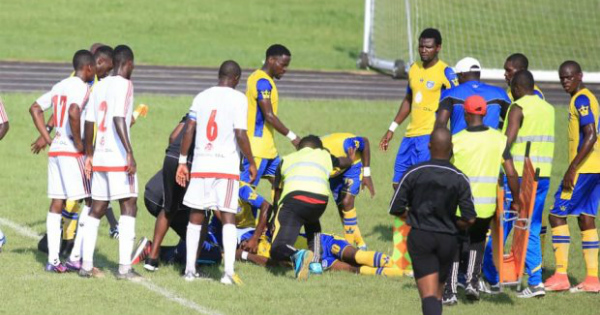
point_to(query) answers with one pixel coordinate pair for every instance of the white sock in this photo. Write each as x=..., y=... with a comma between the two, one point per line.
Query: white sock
x=78, y=243
x=192, y=238
x=53, y=221
x=126, y=239
x=89, y=242
x=229, y=245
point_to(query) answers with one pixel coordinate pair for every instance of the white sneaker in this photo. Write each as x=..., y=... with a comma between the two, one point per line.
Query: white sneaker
x=192, y=276
x=532, y=291
x=230, y=280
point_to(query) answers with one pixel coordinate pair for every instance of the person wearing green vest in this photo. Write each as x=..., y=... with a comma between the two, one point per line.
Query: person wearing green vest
x=301, y=193
x=530, y=119
x=477, y=152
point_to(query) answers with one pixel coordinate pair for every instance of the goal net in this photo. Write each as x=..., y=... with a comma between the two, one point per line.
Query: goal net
x=548, y=32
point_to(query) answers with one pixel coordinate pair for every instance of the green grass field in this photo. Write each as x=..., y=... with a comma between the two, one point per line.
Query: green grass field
x=26, y=288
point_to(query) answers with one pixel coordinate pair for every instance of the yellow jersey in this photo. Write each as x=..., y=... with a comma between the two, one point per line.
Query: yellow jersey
x=425, y=86
x=583, y=110
x=261, y=87
x=536, y=91
x=338, y=144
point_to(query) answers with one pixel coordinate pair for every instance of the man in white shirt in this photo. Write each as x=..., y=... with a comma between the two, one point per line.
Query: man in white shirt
x=66, y=178
x=218, y=116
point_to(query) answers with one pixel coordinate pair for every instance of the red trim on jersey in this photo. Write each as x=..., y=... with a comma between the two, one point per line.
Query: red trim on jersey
x=63, y=153
x=109, y=168
x=127, y=97
x=215, y=175
x=310, y=200
x=85, y=99
x=3, y=116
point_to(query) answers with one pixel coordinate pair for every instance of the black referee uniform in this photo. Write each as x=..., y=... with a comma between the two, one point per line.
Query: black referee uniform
x=429, y=195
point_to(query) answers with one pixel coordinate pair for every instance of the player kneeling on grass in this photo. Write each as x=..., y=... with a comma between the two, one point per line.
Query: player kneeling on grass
x=66, y=178
x=218, y=117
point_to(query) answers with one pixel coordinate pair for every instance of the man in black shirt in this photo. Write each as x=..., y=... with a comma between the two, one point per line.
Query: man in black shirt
x=428, y=195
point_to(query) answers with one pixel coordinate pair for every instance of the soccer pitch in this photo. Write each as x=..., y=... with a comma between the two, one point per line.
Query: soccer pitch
x=25, y=288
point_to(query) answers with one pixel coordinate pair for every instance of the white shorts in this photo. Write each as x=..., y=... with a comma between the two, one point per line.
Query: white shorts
x=212, y=193
x=66, y=178
x=109, y=186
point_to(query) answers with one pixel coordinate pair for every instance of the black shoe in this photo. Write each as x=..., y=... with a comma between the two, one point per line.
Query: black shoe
x=472, y=292
x=66, y=247
x=151, y=264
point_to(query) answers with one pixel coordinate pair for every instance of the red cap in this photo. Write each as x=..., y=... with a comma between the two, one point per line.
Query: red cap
x=475, y=104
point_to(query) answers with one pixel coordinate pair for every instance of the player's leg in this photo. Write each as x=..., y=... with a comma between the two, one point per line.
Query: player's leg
x=422, y=247
x=79, y=192
x=287, y=224
x=70, y=218
x=350, y=189
x=192, y=241
x=229, y=247
x=404, y=159
x=561, y=239
x=477, y=237
x=449, y=297
x=58, y=194
x=261, y=167
x=90, y=232
x=127, y=234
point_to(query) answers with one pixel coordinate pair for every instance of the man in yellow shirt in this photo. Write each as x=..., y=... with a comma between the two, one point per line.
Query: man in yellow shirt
x=426, y=81
x=579, y=192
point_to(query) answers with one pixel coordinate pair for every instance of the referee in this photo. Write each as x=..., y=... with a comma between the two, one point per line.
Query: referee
x=429, y=194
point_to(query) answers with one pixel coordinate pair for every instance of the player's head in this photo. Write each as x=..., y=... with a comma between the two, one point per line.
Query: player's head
x=310, y=141
x=230, y=74
x=430, y=44
x=571, y=76
x=475, y=108
x=468, y=69
x=123, y=61
x=95, y=47
x=522, y=84
x=277, y=60
x=104, y=61
x=515, y=62
x=84, y=65
x=440, y=144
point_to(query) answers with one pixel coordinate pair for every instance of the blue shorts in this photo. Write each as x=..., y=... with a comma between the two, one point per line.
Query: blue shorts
x=413, y=150
x=583, y=199
x=248, y=194
x=266, y=168
x=332, y=248
x=347, y=182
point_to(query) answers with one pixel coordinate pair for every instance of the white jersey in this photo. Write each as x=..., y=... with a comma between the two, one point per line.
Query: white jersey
x=3, y=115
x=66, y=92
x=111, y=97
x=218, y=111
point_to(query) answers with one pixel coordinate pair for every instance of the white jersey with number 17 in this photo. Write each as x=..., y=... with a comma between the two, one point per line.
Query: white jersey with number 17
x=218, y=111
x=111, y=97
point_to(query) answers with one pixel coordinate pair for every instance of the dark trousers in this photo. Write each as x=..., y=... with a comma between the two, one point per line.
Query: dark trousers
x=295, y=212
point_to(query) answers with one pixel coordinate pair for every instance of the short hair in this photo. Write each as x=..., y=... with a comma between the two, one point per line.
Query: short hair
x=432, y=33
x=82, y=58
x=122, y=54
x=277, y=50
x=105, y=51
x=523, y=79
x=571, y=64
x=518, y=61
x=311, y=141
x=230, y=69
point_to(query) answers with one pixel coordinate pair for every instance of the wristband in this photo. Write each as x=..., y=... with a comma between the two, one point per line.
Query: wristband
x=366, y=171
x=182, y=159
x=393, y=126
x=244, y=255
x=291, y=135
x=49, y=129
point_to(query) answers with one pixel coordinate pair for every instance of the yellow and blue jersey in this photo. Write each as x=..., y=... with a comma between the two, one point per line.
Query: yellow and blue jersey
x=339, y=143
x=261, y=87
x=425, y=87
x=248, y=205
x=536, y=90
x=583, y=110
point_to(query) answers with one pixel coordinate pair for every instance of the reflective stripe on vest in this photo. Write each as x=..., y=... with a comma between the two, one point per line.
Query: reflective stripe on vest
x=522, y=139
x=484, y=179
x=306, y=170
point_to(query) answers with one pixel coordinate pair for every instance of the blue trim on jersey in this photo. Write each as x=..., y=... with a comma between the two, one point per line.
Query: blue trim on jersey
x=263, y=85
x=351, y=143
x=538, y=93
x=450, y=76
x=580, y=102
x=249, y=195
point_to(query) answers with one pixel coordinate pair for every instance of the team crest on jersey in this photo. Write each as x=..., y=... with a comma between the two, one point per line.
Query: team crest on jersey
x=430, y=84
x=265, y=94
x=584, y=110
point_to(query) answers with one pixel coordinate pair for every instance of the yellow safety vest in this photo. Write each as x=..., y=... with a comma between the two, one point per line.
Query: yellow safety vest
x=478, y=154
x=537, y=128
x=306, y=170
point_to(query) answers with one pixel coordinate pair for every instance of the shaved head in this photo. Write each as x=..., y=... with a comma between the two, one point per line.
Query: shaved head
x=230, y=70
x=522, y=84
x=519, y=61
x=440, y=144
x=95, y=47
x=571, y=65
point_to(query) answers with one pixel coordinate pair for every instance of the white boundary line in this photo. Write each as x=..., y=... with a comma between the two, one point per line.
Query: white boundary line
x=169, y=295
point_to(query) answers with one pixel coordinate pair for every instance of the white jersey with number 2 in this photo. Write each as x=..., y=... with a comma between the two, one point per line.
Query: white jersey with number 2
x=218, y=111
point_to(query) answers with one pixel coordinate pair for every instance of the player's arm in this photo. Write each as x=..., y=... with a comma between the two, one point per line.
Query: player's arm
x=267, y=109
x=4, y=129
x=121, y=128
x=244, y=143
x=367, y=181
x=403, y=112
x=37, y=114
x=175, y=133
x=444, y=111
x=400, y=204
x=515, y=119
x=589, y=139
x=183, y=173
x=277, y=186
x=88, y=138
x=75, y=124
x=252, y=244
x=504, y=107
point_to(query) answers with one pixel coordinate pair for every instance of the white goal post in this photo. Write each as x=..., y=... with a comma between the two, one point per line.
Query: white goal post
x=548, y=32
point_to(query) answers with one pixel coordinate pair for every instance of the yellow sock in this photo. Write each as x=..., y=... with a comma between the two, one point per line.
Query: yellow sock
x=372, y=259
x=70, y=216
x=589, y=242
x=560, y=243
x=351, y=231
x=388, y=272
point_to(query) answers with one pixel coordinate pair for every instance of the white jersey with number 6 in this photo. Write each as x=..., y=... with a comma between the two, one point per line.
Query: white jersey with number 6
x=218, y=111
x=111, y=97
x=64, y=93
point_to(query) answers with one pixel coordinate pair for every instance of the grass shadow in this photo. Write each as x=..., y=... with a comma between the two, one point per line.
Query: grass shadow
x=383, y=232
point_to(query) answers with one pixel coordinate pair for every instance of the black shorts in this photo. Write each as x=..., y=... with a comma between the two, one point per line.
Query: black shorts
x=431, y=252
x=173, y=193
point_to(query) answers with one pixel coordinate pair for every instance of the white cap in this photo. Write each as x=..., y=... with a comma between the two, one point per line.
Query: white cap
x=467, y=64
